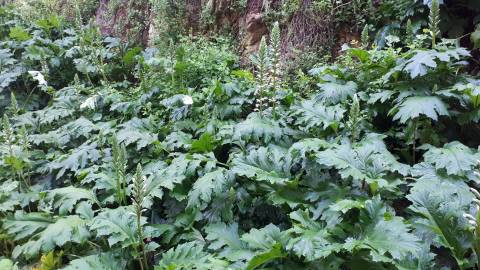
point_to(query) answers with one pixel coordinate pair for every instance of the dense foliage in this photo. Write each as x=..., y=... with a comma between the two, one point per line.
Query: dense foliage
x=118, y=157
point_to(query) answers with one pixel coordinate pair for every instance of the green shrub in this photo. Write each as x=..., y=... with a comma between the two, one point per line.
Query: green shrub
x=115, y=157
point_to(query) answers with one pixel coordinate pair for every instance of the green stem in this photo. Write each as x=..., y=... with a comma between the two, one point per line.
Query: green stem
x=117, y=180
x=139, y=260
x=121, y=193
x=143, y=265
x=414, y=141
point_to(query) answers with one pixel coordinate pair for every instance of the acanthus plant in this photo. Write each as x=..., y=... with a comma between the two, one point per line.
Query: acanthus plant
x=269, y=71
x=157, y=160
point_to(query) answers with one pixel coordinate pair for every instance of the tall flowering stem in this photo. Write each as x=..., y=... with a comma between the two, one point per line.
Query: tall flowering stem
x=269, y=70
x=138, y=198
x=13, y=105
x=119, y=160
x=410, y=32
x=434, y=21
x=261, y=76
x=275, y=68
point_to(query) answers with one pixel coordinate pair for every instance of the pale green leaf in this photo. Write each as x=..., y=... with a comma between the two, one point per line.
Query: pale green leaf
x=189, y=256
x=52, y=234
x=440, y=205
x=65, y=199
x=265, y=257
x=429, y=106
x=263, y=239
x=259, y=128
x=136, y=131
x=119, y=225
x=454, y=157
x=209, y=185
x=310, y=114
x=419, y=64
x=102, y=261
x=271, y=164
x=336, y=92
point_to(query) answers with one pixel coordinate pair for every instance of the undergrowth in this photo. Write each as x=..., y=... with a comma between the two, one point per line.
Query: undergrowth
x=118, y=157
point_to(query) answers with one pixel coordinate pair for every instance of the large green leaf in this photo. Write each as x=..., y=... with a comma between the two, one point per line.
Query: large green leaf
x=260, y=128
x=8, y=201
x=419, y=64
x=310, y=239
x=64, y=199
x=384, y=233
x=9, y=73
x=18, y=33
x=205, y=143
x=423, y=61
x=74, y=130
x=189, y=256
x=6, y=58
x=367, y=160
x=119, y=225
x=136, y=131
x=63, y=105
x=181, y=167
x=177, y=140
x=23, y=225
x=454, y=157
x=102, y=261
x=76, y=160
x=10, y=76
x=224, y=238
x=49, y=234
x=440, y=205
x=271, y=164
x=209, y=185
x=412, y=107
x=311, y=114
x=336, y=92
x=263, y=239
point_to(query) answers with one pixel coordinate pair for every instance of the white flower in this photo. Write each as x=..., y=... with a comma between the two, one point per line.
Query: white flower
x=38, y=77
x=468, y=216
x=187, y=100
x=90, y=103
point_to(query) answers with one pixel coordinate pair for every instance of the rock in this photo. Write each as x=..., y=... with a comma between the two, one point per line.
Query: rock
x=302, y=31
x=102, y=19
x=255, y=29
x=127, y=19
